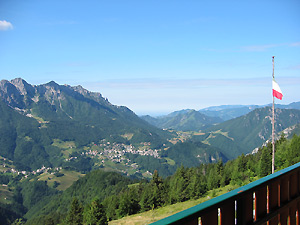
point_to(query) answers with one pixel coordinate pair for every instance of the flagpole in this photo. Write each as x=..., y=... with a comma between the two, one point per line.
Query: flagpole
x=273, y=126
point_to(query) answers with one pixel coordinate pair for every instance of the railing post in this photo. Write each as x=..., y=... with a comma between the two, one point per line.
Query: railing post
x=294, y=185
x=298, y=184
x=192, y=222
x=297, y=216
x=260, y=202
x=245, y=209
x=298, y=203
x=292, y=214
x=293, y=181
x=227, y=213
x=210, y=217
x=284, y=189
x=284, y=197
x=273, y=201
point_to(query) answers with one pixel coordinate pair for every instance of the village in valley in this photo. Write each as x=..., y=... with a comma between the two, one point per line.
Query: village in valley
x=103, y=154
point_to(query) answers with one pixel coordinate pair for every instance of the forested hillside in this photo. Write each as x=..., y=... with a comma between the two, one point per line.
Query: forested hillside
x=59, y=126
x=245, y=133
x=116, y=196
x=56, y=127
x=64, y=149
x=185, y=120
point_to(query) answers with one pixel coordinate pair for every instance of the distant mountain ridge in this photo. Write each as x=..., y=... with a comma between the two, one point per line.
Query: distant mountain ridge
x=204, y=118
x=243, y=134
x=52, y=101
x=249, y=129
x=184, y=120
x=227, y=112
x=56, y=125
x=33, y=116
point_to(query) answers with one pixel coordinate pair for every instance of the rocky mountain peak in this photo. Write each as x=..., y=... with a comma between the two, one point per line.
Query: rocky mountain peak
x=51, y=85
x=23, y=87
x=3, y=85
x=80, y=90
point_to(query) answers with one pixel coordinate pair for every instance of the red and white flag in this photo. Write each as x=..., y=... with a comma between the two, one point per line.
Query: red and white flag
x=276, y=90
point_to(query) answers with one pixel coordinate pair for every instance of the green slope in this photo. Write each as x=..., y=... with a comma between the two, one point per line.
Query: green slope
x=98, y=184
x=33, y=117
x=185, y=120
x=243, y=134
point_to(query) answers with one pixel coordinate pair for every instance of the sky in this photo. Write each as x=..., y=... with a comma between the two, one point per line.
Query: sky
x=156, y=57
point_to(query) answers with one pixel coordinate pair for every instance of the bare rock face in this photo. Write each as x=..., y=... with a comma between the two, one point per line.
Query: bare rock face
x=23, y=87
x=18, y=94
x=11, y=95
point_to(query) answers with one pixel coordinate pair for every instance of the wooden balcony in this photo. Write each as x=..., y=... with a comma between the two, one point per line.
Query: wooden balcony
x=274, y=199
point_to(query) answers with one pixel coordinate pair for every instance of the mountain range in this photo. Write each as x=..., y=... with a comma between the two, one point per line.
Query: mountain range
x=60, y=126
x=35, y=118
x=184, y=120
x=227, y=112
x=192, y=120
x=59, y=141
x=245, y=133
x=243, y=129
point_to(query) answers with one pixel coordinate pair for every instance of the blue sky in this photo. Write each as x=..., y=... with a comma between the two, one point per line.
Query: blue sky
x=156, y=57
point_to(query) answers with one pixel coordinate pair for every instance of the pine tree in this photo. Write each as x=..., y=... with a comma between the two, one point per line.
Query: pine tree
x=153, y=193
x=178, y=186
x=128, y=203
x=75, y=216
x=265, y=162
x=95, y=214
x=213, y=179
x=111, y=204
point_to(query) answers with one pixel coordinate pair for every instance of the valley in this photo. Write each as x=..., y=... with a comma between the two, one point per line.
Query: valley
x=58, y=141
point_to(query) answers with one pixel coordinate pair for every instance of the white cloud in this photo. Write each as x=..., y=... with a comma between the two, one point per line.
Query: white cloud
x=295, y=44
x=4, y=25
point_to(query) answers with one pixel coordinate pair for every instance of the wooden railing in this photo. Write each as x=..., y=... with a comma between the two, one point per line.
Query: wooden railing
x=274, y=199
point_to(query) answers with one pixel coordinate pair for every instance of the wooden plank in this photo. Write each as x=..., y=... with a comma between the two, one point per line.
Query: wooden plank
x=245, y=209
x=284, y=189
x=292, y=214
x=284, y=217
x=227, y=213
x=294, y=184
x=273, y=196
x=273, y=221
x=210, y=217
x=260, y=202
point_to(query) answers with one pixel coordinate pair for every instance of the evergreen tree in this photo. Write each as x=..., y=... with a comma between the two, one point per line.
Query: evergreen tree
x=153, y=193
x=213, y=179
x=197, y=185
x=178, y=186
x=111, y=204
x=293, y=152
x=128, y=203
x=95, y=214
x=265, y=163
x=227, y=173
x=75, y=216
x=242, y=163
x=148, y=199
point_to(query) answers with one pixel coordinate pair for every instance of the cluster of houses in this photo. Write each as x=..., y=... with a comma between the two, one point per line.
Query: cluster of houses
x=43, y=169
x=116, y=151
